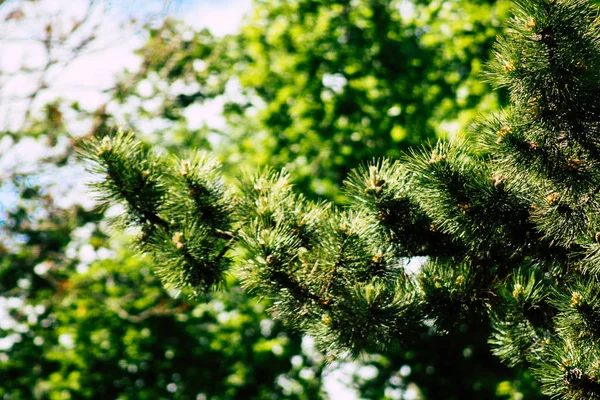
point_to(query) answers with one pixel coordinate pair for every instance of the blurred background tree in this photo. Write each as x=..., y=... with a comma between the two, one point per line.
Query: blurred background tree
x=319, y=86
x=313, y=86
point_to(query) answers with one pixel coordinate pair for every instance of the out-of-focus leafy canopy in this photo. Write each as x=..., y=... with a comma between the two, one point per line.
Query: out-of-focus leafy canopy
x=319, y=86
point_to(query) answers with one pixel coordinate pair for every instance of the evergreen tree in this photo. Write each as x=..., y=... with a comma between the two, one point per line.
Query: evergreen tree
x=510, y=227
x=62, y=352
x=439, y=46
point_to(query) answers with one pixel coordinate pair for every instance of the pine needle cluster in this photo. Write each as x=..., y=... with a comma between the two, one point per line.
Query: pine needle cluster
x=510, y=225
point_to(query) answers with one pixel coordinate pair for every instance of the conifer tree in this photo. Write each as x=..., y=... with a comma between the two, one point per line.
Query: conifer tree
x=510, y=226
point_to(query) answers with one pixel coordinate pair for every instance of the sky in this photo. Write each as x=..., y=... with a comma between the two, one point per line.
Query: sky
x=84, y=81
x=111, y=52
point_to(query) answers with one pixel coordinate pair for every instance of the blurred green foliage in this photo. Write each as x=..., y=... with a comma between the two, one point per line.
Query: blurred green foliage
x=320, y=86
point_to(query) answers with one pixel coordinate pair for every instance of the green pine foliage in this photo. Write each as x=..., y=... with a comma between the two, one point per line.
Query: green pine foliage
x=510, y=226
x=183, y=216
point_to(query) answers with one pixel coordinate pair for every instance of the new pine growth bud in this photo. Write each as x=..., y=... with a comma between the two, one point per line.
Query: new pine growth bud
x=553, y=198
x=576, y=300
x=375, y=183
x=105, y=146
x=518, y=291
x=384, y=216
x=498, y=182
x=271, y=260
x=378, y=258
x=324, y=302
x=509, y=66
x=436, y=157
x=464, y=207
x=574, y=164
x=376, y=262
x=565, y=364
x=502, y=133
x=185, y=168
x=345, y=230
x=533, y=146
x=177, y=239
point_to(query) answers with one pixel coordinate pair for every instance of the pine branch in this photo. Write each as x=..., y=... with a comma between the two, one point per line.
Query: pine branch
x=510, y=228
